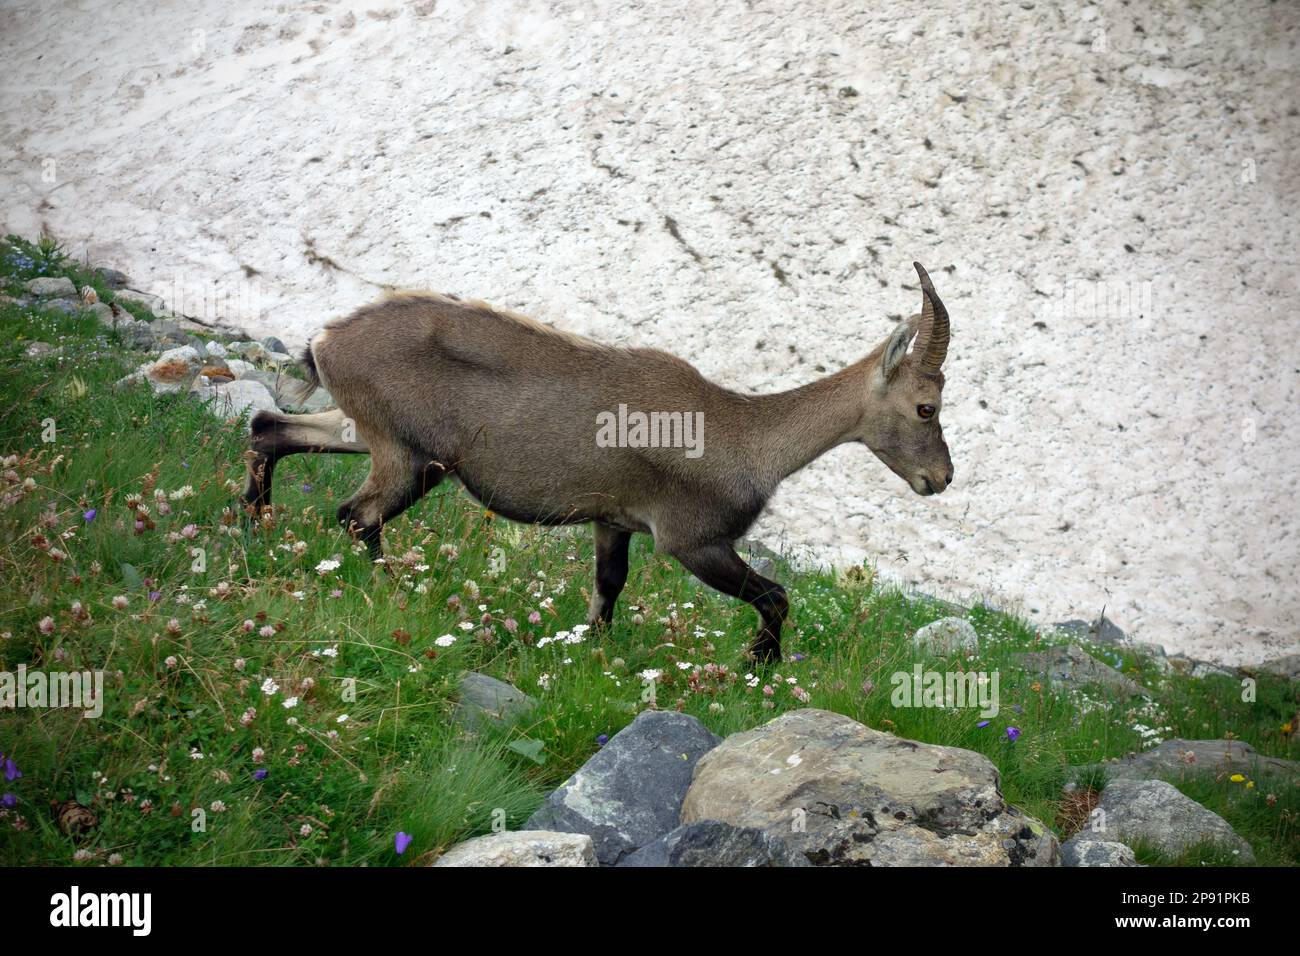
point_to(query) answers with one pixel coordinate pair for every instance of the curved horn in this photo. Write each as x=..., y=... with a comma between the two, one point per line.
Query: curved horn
x=932, y=339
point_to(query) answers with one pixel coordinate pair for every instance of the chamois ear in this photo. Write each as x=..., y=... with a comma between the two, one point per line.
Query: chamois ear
x=895, y=350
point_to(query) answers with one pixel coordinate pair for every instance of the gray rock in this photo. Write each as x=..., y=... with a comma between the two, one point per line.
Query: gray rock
x=165, y=327
x=844, y=794
x=52, y=287
x=173, y=371
x=1072, y=667
x=630, y=793
x=104, y=313
x=239, y=366
x=948, y=635
x=251, y=351
x=714, y=843
x=153, y=303
x=1156, y=813
x=318, y=401
x=1287, y=666
x=279, y=359
x=522, y=848
x=1080, y=850
x=113, y=278
x=39, y=350
x=135, y=334
x=230, y=399
x=272, y=344
x=485, y=700
x=1101, y=631
x=1179, y=759
x=1191, y=667
x=217, y=350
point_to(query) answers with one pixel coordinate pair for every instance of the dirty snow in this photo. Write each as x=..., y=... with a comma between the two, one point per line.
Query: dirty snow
x=1104, y=194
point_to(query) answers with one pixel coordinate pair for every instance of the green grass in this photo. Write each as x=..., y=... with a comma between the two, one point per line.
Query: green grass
x=369, y=748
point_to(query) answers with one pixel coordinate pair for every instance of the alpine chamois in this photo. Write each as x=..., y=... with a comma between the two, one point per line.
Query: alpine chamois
x=523, y=415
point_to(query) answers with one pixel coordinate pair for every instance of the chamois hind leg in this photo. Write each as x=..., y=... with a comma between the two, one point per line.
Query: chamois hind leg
x=611, y=572
x=718, y=566
x=274, y=435
x=398, y=479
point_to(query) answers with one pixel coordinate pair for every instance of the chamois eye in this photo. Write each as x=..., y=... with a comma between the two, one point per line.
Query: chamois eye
x=925, y=411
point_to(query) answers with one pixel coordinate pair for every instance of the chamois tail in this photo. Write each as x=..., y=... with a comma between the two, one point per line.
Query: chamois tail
x=313, y=382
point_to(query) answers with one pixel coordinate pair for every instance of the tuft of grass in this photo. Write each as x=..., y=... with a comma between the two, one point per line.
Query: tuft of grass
x=229, y=649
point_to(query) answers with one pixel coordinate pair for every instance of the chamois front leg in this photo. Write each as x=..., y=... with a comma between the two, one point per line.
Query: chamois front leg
x=611, y=572
x=718, y=566
x=398, y=479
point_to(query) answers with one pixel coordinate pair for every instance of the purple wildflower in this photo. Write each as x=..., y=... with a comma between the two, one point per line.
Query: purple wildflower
x=401, y=842
x=602, y=740
x=89, y=516
x=155, y=596
x=260, y=773
x=1013, y=733
x=982, y=724
x=12, y=772
x=9, y=800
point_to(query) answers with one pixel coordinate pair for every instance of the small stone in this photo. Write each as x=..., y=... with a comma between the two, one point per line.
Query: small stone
x=151, y=302
x=1102, y=631
x=113, y=278
x=522, y=848
x=39, y=350
x=272, y=344
x=948, y=635
x=1083, y=851
x=230, y=399
x=173, y=371
x=135, y=334
x=485, y=700
x=162, y=328
x=104, y=313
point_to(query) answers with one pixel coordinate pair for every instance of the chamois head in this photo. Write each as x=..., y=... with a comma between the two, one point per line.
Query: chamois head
x=903, y=430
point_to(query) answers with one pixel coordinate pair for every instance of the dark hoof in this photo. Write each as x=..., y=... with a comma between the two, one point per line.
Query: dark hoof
x=763, y=653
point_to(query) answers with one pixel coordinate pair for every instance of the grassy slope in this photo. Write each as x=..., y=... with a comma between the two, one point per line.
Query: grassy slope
x=185, y=667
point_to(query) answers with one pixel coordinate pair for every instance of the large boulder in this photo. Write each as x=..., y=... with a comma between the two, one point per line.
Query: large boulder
x=522, y=848
x=486, y=701
x=1070, y=667
x=714, y=843
x=1156, y=813
x=844, y=794
x=630, y=793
